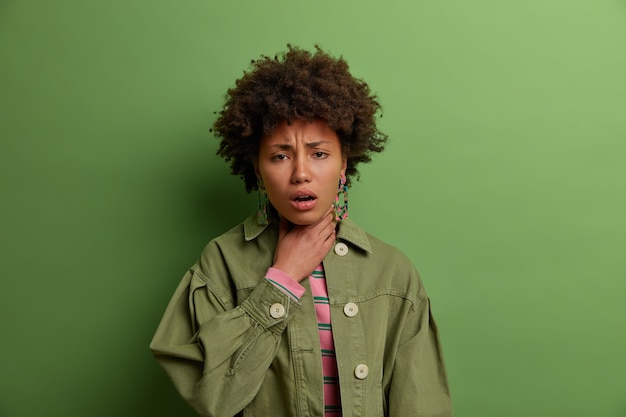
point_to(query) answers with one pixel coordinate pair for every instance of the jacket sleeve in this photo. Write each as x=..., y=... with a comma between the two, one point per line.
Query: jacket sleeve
x=419, y=386
x=217, y=353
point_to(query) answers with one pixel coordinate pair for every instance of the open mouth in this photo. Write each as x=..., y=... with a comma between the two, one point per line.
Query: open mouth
x=303, y=200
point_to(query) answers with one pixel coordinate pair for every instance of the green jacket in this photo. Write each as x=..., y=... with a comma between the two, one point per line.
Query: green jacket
x=227, y=353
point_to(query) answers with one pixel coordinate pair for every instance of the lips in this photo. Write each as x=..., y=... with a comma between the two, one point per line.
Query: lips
x=303, y=200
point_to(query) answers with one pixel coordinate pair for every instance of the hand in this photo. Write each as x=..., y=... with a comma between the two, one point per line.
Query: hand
x=300, y=249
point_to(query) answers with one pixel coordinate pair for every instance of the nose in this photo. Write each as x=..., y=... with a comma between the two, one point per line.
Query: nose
x=301, y=171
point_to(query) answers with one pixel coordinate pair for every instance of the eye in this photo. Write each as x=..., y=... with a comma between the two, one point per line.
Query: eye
x=320, y=155
x=279, y=157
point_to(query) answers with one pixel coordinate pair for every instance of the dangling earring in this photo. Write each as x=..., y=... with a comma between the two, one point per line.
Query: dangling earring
x=341, y=209
x=261, y=214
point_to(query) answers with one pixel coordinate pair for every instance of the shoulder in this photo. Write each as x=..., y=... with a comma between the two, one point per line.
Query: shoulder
x=384, y=264
x=388, y=251
x=241, y=237
x=235, y=254
x=233, y=236
x=228, y=240
x=373, y=248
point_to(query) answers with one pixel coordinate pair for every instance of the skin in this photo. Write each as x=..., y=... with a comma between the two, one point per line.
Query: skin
x=300, y=165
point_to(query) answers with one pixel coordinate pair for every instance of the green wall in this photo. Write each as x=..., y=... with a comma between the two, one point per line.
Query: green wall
x=504, y=181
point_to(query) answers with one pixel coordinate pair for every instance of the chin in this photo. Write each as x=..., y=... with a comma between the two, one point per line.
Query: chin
x=303, y=219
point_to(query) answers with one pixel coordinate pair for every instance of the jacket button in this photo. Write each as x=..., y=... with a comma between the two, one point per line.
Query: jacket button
x=350, y=309
x=341, y=249
x=277, y=310
x=361, y=371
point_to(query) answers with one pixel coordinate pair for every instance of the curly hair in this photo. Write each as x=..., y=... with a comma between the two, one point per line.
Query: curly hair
x=297, y=84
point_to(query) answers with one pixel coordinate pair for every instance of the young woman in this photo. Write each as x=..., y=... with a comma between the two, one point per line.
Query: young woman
x=297, y=311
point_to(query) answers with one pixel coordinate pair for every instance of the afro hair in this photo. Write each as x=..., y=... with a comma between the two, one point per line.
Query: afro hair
x=297, y=84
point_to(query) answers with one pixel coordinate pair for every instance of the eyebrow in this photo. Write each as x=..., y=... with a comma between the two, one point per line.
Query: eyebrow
x=287, y=146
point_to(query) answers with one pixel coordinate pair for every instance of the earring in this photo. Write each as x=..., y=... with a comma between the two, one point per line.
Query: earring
x=261, y=214
x=341, y=209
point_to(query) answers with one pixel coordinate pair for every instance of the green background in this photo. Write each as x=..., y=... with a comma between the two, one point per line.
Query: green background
x=504, y=181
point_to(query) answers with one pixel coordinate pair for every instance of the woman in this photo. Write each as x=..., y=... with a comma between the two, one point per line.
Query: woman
x=297, y=311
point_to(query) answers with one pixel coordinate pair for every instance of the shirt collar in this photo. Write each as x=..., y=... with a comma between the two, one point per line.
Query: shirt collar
x=251, y=227
x=348, y=231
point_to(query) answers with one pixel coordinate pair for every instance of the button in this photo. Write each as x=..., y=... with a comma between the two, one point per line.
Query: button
x=277, y=310
x=350, y=309
x=361, y=371
x=341, y=249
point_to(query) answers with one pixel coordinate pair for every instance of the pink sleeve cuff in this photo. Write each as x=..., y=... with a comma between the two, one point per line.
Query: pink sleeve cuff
x=285, y=283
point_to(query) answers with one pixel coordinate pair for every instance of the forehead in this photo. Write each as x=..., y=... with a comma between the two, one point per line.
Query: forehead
x=301, y=131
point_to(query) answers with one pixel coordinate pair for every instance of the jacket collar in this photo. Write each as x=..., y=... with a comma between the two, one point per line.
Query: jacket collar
x=348, y=231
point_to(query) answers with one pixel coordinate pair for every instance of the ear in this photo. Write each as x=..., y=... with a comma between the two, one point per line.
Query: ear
x=344, y=165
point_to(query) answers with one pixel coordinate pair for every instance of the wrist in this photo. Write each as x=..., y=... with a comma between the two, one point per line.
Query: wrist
x=285, y=283
x=287, y=272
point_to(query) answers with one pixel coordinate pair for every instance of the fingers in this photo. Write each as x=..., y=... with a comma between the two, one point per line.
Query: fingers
x=301, y=248
x=326, y=219
x=330, y=222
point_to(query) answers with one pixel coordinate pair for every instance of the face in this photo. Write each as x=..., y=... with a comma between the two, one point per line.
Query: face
x=300, y=166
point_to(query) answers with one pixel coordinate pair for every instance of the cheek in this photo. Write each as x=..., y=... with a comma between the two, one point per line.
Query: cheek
x=274, y=187
x=332, y=183
x=268, y=177
x=271, y=188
